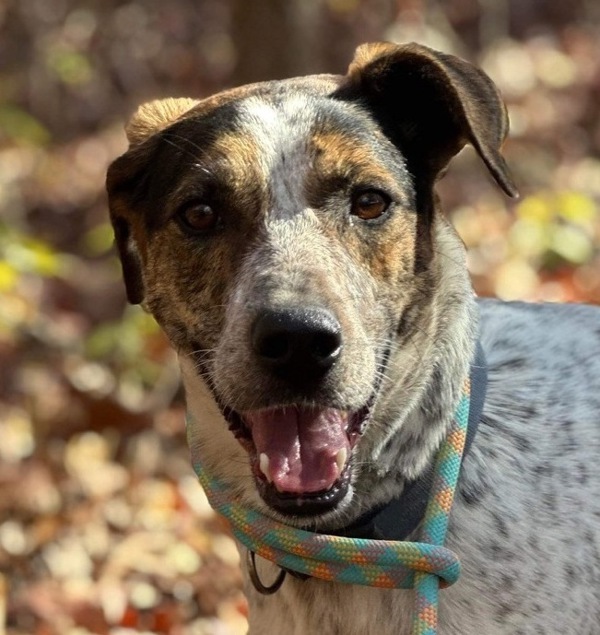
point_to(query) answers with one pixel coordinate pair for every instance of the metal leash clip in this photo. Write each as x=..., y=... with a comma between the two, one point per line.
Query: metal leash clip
x=257, y=582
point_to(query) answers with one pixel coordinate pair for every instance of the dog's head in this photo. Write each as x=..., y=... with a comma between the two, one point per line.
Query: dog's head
x=286, y=237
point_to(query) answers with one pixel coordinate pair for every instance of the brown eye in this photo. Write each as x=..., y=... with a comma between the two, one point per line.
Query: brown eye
x=369, y=205
x=198, y=218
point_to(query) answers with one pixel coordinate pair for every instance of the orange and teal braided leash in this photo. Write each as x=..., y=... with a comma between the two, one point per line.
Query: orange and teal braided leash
x=423, y=565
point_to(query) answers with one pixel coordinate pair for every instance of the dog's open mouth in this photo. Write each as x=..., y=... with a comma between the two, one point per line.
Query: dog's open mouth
x=300, y=455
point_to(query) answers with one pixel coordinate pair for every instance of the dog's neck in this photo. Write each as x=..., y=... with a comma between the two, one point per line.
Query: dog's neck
x=399, y=518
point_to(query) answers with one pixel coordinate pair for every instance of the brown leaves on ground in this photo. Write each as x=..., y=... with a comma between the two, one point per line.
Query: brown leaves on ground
x=108, y=530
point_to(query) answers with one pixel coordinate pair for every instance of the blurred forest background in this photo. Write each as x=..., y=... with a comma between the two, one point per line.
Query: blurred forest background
x=103, y=528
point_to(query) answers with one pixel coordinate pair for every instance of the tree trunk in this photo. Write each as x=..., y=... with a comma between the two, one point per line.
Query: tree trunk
x=275, y=39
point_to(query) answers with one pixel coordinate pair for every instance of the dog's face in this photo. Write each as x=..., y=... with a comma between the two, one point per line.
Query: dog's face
x=284, y=236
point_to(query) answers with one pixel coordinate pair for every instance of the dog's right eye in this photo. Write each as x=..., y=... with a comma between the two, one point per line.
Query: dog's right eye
x=197, y=218
x=369, y=204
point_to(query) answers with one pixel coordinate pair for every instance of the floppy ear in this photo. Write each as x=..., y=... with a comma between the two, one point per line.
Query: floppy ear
x=430, y=104
x=126, y=175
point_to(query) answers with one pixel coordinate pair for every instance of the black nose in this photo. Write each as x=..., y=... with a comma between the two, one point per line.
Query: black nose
x=297, y=343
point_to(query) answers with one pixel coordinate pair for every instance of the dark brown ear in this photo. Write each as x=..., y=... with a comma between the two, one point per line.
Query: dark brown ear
x=131, y=263
x=125, y=177
x=430, y=104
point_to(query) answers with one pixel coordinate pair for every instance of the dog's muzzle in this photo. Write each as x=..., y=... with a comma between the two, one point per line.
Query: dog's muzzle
x=300, y=453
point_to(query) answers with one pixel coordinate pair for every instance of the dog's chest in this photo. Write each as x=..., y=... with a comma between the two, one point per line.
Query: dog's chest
x=304, y=608
x=315, y=607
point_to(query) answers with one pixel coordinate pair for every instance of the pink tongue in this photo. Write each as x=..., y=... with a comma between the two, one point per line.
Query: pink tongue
x=302, y=445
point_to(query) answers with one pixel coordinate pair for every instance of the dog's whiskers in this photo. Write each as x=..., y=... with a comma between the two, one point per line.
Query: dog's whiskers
x=169, y=136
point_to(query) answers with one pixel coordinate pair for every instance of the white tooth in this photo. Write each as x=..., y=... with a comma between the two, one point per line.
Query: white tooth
x=340, y=459
x=263, y=464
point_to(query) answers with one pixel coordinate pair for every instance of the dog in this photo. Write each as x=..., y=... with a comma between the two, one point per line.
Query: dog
x=287, y=237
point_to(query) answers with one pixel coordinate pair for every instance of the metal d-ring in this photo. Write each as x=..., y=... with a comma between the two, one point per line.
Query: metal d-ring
x=257, y=582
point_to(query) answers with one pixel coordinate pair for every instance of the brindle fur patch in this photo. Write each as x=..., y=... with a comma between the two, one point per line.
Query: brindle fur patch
x=349, y=163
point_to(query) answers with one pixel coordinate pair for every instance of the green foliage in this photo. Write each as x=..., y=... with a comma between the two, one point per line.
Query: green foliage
x=22, y=254
x=19, y=126
x=124, y=340
x=70, y=66
x=99, y=239
x=555, y=228
x=125, y=347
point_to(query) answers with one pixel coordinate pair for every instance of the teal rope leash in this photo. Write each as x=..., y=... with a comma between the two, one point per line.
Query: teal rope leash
x=379, y=563
x=435, y=524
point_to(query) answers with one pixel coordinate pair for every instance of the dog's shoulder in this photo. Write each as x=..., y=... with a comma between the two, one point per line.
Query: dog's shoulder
x=543, y=395
x=528, y=490
x=544, y=359
x=548, y=328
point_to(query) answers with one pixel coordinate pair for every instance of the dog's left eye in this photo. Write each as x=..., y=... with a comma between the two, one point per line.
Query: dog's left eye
x=369, y=204
x=197, y=218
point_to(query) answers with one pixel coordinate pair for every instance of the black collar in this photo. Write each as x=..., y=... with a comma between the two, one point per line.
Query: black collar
x=401, y=516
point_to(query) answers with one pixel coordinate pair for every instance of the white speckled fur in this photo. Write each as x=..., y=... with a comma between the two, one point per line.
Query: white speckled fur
x=283, y=150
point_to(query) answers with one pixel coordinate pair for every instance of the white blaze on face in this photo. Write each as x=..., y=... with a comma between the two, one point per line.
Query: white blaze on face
x=282, y=132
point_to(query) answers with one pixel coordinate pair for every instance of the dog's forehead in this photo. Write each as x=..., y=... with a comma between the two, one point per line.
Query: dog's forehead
x=281, y=122
x=280, y=132
x=287, y=136
x=288, y=121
